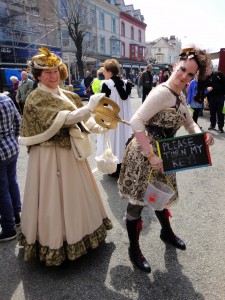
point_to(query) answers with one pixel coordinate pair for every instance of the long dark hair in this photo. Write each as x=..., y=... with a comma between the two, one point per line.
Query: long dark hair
x=200, y=95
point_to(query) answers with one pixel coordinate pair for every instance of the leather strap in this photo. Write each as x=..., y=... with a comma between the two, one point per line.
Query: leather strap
x=178, y=100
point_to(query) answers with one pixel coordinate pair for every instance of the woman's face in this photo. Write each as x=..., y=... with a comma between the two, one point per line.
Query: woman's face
x=50, y=78
x=184, y=72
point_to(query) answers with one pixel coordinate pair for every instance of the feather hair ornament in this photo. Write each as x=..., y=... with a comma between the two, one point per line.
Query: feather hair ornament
x=45, y=59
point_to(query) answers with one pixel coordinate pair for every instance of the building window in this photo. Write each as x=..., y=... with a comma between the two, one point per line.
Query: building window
x=64, y=8
x=92, y=17
x=90, y=42
x=132, y=33
x=65, y=38
x=141, y=53
x=123, y=29
x=136, y=51
x=102, y=20
x=32, y=10
x=113, y=25
x=159, y=58
x=115, y=47
x=123, y=49
x=83, y=12
x=132, y=51
x=139, y=35
x=102, y=44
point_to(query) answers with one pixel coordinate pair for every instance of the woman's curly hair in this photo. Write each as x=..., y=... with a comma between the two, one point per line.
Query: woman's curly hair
x=200, y=56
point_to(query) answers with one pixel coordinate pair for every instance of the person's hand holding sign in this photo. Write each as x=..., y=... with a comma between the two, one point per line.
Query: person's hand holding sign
x=209, y=139
x=155, y=161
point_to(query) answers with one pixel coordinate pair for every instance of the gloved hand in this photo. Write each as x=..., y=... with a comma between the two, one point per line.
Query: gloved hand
x=94, y=100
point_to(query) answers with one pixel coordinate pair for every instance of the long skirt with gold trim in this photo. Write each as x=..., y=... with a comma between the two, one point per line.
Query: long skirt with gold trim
x=62, y=214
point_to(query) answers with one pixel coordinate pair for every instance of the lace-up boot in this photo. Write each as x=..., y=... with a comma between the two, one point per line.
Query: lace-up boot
x=134, y=228
x=167, y=235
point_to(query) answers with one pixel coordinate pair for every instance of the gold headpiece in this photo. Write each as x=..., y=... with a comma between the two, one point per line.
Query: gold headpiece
x=46, y=59
x=188, y=53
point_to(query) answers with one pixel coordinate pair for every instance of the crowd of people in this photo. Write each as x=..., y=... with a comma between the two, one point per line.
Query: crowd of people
x=62, y=210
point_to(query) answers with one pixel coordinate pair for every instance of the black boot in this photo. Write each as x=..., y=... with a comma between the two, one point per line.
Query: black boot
x=134, y=228
x=167, y=234
x=117, y=173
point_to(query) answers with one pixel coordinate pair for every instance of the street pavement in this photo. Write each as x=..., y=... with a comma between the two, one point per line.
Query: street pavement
x=106, y=273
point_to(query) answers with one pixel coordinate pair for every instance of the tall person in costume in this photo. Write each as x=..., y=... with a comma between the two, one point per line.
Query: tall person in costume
x=119, y=91
x=63, y=214
x=160, y=116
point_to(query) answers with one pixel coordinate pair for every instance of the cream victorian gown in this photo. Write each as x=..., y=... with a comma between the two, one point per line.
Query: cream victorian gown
x=63, y=214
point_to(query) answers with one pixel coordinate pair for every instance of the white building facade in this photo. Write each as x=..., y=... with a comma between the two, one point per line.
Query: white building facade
x=163, y=50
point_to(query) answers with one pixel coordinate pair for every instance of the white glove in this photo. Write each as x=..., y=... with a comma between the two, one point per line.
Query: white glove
x=94, y=100
x=77, y=115
x=94, y=127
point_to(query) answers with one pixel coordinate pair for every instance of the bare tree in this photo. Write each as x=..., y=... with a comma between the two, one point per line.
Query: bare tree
x=73, y=14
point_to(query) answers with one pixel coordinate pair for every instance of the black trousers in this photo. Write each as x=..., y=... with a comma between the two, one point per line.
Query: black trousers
x=196, y=114
x=216, y=103
x=21, y=104
x=145, y=93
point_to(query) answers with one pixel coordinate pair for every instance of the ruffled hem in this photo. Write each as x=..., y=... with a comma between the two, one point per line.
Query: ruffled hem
x=54, y=257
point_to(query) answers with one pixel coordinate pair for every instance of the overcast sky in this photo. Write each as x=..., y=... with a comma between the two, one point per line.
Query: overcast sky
x=194, y=21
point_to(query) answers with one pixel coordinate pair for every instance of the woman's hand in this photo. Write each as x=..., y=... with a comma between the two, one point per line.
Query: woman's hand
x=94, y=100
x=209, y=139
x=156, y=163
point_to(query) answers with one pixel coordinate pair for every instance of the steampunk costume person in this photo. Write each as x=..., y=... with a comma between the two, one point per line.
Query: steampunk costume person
x=160, y=116
x=62, y=214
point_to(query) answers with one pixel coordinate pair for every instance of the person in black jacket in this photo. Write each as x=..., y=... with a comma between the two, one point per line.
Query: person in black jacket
x=87, y=82
x=146, y=82
x=215, y=85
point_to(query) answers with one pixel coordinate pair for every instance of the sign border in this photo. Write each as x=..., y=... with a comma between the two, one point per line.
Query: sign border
x=180, y=137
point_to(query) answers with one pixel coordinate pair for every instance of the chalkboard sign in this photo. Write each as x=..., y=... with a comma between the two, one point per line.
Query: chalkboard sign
x=184, y=152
